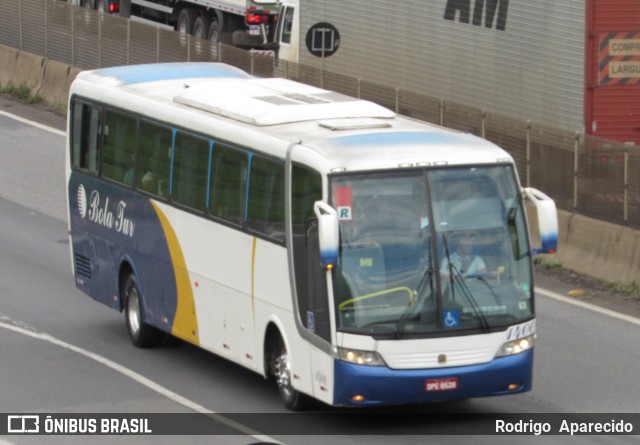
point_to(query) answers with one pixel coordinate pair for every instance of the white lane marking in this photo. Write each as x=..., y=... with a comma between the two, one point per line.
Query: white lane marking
x=589, y=306
x=34, y=124
x=177, y=398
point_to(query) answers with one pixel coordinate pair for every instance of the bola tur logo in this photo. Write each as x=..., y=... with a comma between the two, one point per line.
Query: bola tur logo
x=82, y=201
x=101, y=212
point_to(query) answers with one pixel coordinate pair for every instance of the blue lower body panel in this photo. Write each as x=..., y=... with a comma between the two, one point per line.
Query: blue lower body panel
x=383, y=386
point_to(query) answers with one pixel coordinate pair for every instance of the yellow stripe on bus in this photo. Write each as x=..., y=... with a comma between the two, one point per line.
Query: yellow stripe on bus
x=185, y=322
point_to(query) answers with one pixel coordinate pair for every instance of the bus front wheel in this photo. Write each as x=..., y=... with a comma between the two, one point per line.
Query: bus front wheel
x=142, y=335
x=281, y=369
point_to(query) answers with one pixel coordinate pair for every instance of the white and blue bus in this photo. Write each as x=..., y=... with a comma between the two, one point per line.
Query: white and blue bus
x=314, y=238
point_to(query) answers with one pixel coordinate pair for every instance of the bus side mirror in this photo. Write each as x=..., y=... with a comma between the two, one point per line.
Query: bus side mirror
x=547, y=220
x=328, y=233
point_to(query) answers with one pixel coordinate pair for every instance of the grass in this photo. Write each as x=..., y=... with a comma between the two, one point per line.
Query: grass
x=630, y=288
x=21, y=92
x=540, y=261
x=60, y=108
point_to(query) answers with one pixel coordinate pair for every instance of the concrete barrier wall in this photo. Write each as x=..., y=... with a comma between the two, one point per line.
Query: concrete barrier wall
x=19, y=67
x=57, y=78
x=588, y=246
x=47, y=78
x=599, y=249
x=592, y=247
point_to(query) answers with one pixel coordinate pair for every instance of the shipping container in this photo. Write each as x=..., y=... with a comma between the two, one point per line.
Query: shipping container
x=612, y=54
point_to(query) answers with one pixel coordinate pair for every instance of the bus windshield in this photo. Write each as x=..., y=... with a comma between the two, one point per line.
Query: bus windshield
x=424, y=252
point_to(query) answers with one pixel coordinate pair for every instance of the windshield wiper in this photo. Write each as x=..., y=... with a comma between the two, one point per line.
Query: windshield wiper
x=468, y=296
x=426, y=279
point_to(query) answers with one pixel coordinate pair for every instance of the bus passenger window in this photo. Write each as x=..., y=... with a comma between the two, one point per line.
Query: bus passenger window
x=265, y=212
x=153, y=165
x=85, y=131
x=228, y=184
x=119, y=147
x=190, y=171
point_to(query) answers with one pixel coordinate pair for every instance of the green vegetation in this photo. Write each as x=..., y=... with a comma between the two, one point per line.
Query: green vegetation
x=60, y=108
x=630, y=288
x=542, y=262
x=21, y=92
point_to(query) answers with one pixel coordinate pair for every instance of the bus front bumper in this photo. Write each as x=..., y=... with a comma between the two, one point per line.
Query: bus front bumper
x=358, y=385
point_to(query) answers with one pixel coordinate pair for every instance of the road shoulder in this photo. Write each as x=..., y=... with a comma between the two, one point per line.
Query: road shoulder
x=586, y=289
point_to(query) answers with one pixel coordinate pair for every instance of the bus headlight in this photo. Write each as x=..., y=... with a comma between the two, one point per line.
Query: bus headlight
x=368, y=358
x=516, y=346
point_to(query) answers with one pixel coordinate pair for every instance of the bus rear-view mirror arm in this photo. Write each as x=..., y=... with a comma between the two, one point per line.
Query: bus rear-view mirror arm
x=547, y=220
x=328, y=233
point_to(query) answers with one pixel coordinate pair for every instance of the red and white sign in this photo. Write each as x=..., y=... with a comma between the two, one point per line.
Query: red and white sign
x=446, y=384
x=344, y=202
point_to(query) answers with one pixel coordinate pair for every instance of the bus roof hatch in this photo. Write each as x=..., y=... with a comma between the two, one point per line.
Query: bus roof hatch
x=275, y=101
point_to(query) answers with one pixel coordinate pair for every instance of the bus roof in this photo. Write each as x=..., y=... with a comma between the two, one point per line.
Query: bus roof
x=278, y=112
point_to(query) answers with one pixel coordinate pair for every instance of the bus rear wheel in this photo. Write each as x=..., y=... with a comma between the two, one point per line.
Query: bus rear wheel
x=142, y=335
x=292, y=399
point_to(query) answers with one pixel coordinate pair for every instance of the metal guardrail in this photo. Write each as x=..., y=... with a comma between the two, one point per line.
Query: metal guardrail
x=583, y=174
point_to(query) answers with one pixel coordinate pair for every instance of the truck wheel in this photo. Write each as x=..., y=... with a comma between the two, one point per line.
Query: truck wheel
x=214, y=33
x=201, y=27
x=200, y=32
x=214, y=37
x=186, y=19
x=142, y=335
x=292, y=399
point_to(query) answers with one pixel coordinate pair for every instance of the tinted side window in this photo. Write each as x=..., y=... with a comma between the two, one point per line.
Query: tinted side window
x=306, y=188
x=190, y=171
x=153, y=166
x=266, y=198
x=229, y=184
x=119, y=147
x=85, y=137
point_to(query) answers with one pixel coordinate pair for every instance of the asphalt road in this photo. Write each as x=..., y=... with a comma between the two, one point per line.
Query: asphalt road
x=62, y=352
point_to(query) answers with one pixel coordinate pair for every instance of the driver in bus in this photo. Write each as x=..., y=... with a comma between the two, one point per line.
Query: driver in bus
x=462, y=258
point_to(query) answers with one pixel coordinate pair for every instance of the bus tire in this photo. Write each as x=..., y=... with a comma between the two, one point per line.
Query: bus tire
x=291, y=398
x=141, y=334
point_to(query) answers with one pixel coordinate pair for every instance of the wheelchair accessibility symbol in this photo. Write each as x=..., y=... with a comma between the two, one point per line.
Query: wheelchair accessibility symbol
x=451, y=319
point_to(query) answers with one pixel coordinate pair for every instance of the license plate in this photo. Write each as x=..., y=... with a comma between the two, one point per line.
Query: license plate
x=446, y=384
x=254, y=30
